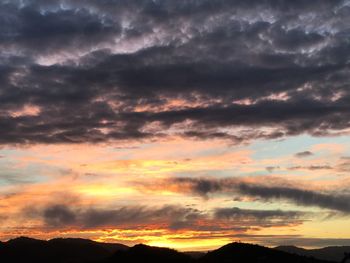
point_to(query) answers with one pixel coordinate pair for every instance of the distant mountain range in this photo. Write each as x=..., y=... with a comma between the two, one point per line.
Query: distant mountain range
x=73, y=250
x=326, y=253
x=247, y=253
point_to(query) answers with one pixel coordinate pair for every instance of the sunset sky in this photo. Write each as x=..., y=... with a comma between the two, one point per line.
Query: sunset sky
x=179, y=123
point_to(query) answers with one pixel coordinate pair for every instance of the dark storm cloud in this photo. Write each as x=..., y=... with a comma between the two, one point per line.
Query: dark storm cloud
x=231, y=186
x=45, y=31
x=108, y=70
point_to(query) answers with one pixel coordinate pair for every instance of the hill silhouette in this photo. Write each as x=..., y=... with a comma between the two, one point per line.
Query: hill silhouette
x=333, y=253
x=247, y=253
x=72, y=250
x=59, y=250
x=148, y=254
x=231, y=253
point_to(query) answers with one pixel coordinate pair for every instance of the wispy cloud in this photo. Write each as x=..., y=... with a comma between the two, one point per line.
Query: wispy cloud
x=238, y=186
x=172, y=218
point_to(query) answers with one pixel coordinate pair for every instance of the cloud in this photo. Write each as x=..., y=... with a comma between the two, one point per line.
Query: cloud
x=270, y=169
x=167, y=217
x=237, y=186
x=124, y=217
x=200, y=69
x=237, y=213
x=303, y=154
x=344, y=165
x=299, y=196
x=311, y=167
x=53, y=30
x=59, y=215
x=8, y=176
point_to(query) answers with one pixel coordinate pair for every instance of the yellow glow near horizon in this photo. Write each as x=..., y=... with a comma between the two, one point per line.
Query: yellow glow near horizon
x=103, y=190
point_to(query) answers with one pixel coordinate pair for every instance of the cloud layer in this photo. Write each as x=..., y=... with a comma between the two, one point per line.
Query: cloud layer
x=169, y=217
x=77, y=71
x=275, y=191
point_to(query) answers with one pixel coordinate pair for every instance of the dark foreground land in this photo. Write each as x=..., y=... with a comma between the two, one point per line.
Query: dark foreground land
x=24, y=250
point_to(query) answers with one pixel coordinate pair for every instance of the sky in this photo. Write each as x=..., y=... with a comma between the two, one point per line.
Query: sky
x=186, y=124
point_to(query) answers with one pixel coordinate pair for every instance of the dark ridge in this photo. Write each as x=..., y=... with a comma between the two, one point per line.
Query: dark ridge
x=247, y=253
x=58, y=250
x=332, y=253
x=145, y=254
x=293, y=250
x=75, y=250
x=19, y=241
x=112, y=247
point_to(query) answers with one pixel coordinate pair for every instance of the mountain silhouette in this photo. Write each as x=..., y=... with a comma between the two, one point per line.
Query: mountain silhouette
x=333, y=253
x=148, y=254
x=231, y=253
x=59, y=250
x=247, y=253
x=73, y=250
